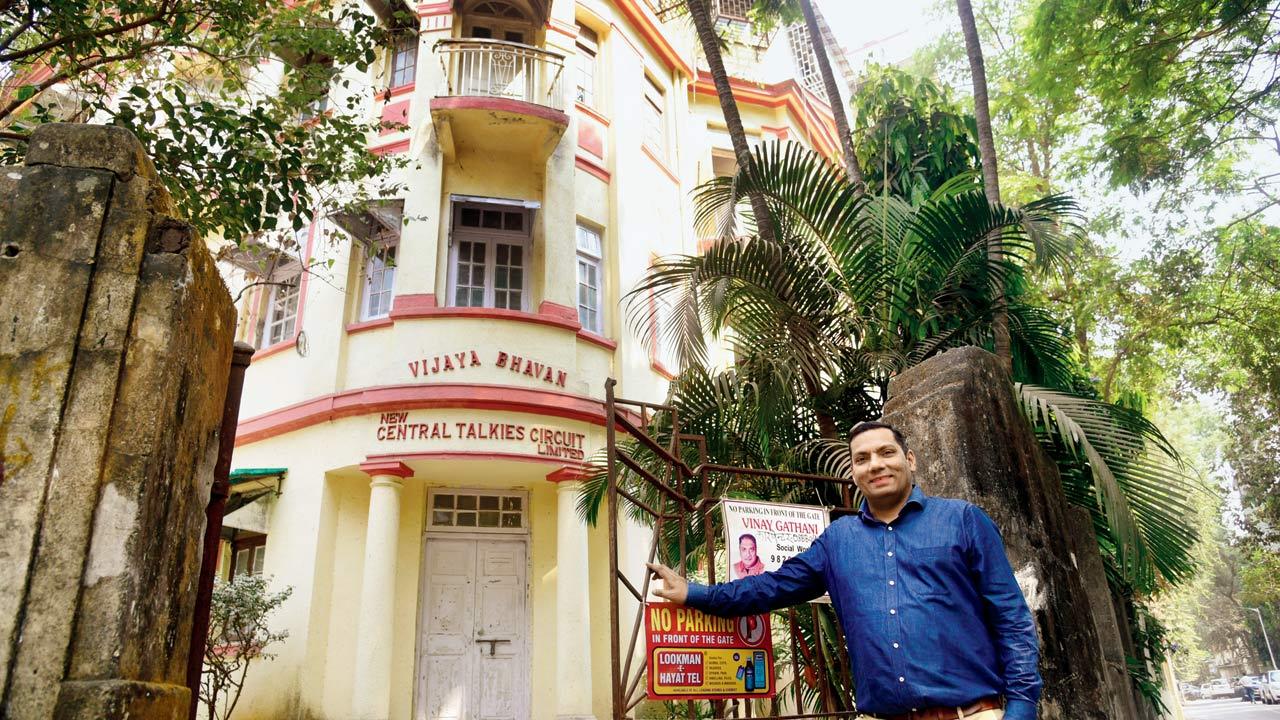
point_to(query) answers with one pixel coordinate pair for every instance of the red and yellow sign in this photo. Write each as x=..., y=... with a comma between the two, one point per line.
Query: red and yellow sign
x=695, y=656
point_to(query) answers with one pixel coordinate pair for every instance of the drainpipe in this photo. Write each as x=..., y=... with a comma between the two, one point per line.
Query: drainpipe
x=240, y=357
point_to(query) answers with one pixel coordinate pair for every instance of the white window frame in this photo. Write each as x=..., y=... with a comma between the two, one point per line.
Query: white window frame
x=492, y=238
x=655, y=129
x=432, y=527
x=283, y=291
x=404, y=58
x=588, y=66
x=593, y=258
x=380, y=260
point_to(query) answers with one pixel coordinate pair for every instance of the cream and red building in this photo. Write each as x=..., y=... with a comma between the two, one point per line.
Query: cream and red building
x=426, y=391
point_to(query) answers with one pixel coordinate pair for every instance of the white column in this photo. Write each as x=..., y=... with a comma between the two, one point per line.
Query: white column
x=573, y=615
x=371, y=691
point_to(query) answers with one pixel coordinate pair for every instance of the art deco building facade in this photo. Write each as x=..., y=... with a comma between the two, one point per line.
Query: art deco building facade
x=425, y=392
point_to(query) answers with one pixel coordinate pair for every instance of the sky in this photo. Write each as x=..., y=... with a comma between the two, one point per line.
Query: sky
x=885, y=31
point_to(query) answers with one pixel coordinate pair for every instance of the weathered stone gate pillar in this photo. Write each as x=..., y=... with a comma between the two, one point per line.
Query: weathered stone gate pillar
x=114, y=351
x=971, y=441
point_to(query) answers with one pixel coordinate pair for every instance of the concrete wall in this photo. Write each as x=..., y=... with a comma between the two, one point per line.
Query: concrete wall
x=971, y=441
x=113, y=371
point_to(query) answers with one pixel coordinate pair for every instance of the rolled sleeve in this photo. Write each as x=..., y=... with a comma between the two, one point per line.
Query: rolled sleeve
x=1011, y=623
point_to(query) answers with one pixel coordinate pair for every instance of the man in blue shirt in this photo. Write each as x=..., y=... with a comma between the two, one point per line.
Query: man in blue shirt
x=935, y=623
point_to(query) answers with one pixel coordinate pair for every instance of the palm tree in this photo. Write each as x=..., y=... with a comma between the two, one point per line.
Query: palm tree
x=704, y=25
x=856, y=289
x=767, y=14
x=987, y=148
x=819, y=40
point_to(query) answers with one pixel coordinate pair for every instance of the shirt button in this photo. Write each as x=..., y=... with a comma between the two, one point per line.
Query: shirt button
x=893, y=611
x=890, y=528
x=902, y=679
x=895, y=645
x=890, y=553
x=892, y=582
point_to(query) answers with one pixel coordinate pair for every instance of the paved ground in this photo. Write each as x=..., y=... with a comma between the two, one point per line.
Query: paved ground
x=1229, y=710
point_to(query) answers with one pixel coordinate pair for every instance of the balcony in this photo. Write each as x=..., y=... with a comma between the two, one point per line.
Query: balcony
x=499, y=94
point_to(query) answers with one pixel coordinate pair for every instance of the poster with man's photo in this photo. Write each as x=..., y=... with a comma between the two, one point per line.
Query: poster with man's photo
x=760, y=536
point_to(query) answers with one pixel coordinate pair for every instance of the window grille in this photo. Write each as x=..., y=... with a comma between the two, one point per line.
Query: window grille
x=734, y=9
x=805, y=59
x=490, y=257
x=590, y=251
x=472, y=510
x=379, y=281
x=282, y=309
x=404, y=60
x=655, y=125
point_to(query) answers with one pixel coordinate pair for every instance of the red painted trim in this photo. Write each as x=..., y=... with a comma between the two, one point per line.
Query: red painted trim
x=306, y=277
x=592, y=113
x=386, y=467
x=440, y=8
x=489, y=104
x=388, y=122
x=374, y=324
x=473, y=455
x=409, y=305
x=390, y=148
x=387, y=93
x=661, y=165
x=587, y=165
x=591, y=139
x=555, y=309
x=568, y=473
x=594, y=339
x=813, y=116
x=661, y=369
x=569, y=30
x=368, y=401
x=488, y=314
x=653, y=36
x=270, y=350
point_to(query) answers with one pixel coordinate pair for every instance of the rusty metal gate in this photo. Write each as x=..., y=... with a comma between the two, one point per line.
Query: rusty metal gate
x=673, y=495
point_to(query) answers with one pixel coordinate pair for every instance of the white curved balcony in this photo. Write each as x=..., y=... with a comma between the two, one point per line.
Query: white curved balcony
x=499, y=94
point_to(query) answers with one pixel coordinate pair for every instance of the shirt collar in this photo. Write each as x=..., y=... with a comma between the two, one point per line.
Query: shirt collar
x=916, y=498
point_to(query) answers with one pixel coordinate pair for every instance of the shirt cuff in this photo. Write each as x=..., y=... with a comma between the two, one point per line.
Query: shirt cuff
x=1019, y=710
x=697, y=596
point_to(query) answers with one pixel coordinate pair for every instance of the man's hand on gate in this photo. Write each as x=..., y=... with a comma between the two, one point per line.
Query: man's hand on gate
x=674, y=587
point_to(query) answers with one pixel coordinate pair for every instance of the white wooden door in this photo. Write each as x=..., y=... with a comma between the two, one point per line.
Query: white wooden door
x=472, y=646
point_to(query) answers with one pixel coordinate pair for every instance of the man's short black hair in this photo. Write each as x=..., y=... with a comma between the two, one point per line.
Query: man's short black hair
x=745, y=536
x=876, y=425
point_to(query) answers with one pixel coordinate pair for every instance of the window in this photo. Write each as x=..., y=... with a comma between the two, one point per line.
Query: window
x=404, y=59
x=490, y=256
x=590, y=272
x=655, y=126
x=248, y=556
x=465, y=510
x=588, y=49
x=805, y=59
x=282, y=311
x=379, y=280
x=733, y=9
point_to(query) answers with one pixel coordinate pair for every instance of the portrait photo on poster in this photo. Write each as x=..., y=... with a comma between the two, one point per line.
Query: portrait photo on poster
x=760, y=536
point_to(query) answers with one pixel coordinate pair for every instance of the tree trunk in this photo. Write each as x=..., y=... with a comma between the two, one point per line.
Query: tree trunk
x=700, y=11
x=833, y=94
x=990, y=177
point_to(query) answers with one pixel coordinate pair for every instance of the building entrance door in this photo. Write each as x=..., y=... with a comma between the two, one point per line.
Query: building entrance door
x=472, y=654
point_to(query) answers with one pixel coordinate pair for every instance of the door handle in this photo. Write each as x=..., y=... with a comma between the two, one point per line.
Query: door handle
x=493, y=644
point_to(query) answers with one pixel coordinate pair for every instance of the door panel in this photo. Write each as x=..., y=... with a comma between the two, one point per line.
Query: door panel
x=475, y=591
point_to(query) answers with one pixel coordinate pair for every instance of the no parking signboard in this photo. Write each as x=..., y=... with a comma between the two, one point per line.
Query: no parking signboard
x=695, y=656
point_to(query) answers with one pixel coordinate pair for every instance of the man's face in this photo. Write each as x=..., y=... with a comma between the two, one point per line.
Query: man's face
x=747, y=551
x=881, y=469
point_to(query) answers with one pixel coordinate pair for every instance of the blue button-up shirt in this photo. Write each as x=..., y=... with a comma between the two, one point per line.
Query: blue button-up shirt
x=932, y=614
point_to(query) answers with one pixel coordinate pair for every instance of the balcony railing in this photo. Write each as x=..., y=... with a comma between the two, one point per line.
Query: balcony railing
x=501, y=69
